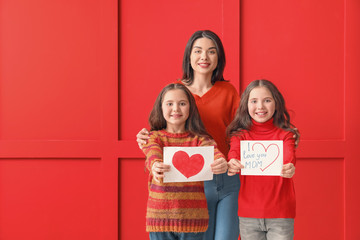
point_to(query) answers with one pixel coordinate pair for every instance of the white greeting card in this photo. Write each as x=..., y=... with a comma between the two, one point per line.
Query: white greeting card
x=188, y=164
x=261, y=157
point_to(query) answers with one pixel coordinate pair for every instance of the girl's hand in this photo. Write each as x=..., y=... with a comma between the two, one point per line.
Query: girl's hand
x=234, y=166
x=158, y=169
x=142, y=137
x=219, y=166
x=288, y=170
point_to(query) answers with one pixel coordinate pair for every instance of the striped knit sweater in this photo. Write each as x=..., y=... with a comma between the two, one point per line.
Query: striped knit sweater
x=175, y=207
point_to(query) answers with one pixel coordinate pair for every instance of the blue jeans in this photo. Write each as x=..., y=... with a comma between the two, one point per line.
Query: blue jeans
x=222, y=198
x=266, y=228
x=176, y=236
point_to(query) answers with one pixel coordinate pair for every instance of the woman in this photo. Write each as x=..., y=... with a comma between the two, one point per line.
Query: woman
x=217, y=101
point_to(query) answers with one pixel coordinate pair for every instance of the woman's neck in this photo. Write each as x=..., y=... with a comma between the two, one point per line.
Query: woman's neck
x=200, y=85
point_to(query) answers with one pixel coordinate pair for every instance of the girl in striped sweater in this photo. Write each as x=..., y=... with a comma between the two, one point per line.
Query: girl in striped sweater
x=175, y=210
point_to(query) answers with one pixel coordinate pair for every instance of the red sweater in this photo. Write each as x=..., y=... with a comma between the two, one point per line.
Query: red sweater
x=217, y=108
x=266, y=196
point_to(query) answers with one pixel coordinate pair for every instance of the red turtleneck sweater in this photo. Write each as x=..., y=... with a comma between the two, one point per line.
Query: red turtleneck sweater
x=266, y=196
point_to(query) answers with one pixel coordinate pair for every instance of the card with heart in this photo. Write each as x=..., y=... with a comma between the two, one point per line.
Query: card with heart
x=263, y=158
x=188, y=164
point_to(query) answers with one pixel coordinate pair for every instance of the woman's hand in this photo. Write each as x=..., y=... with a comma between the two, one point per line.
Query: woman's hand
x=219, y=166
x=297, y=137
x=234, y=167
x=142, y=137
x=288, y=170
x=158, y=169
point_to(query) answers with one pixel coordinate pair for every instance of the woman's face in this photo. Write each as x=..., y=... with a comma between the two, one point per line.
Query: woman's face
x=203, y=57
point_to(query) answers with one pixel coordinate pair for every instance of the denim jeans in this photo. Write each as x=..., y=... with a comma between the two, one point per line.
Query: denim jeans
x=176, y=236
x=266, y=228
x=222, y=198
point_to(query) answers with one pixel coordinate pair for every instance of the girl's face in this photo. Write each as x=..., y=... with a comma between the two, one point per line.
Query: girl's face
x=175, y=107
x=261, y=104
x=203, y=57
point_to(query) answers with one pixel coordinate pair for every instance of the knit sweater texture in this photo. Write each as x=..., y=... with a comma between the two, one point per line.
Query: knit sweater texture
x=181, y=206
x=266, y=196
x=217, y=108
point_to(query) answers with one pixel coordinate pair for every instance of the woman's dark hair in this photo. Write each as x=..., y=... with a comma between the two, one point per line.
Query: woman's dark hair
x=242, y=120
x=188, y=72
x=193, y=124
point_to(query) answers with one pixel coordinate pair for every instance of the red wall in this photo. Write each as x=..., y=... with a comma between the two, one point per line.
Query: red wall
x=58, y=119
x=78, y=79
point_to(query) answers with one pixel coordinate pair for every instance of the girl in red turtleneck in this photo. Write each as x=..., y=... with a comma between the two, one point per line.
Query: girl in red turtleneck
x=266, y=203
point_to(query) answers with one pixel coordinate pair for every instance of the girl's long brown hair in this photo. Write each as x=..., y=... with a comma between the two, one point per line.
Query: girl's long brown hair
x=242, y=120
x=193, y=124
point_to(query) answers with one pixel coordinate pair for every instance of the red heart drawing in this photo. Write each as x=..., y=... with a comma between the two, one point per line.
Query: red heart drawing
x=266, y=148
x=188, y=166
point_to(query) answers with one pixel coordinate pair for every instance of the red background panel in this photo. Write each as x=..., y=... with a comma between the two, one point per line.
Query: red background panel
x=50, y=198
x=352, y=127
x=134, y=191
x=79, y=78
x=319, y=199
x=58, y=119
x=50, y=70
x=299, y=45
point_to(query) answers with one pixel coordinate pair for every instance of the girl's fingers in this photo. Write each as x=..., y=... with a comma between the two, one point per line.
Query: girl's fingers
x=219, y=171
x=234, y=167
x=231, y=172
x=158, y=176
x=163, y=167
x=219, y=166
x=156, y=179
x=289, y=167
x=219, y=162
x=155, y=170
x=236, y=164
x=234, y=170
x=159, y=168
x=288, y=170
